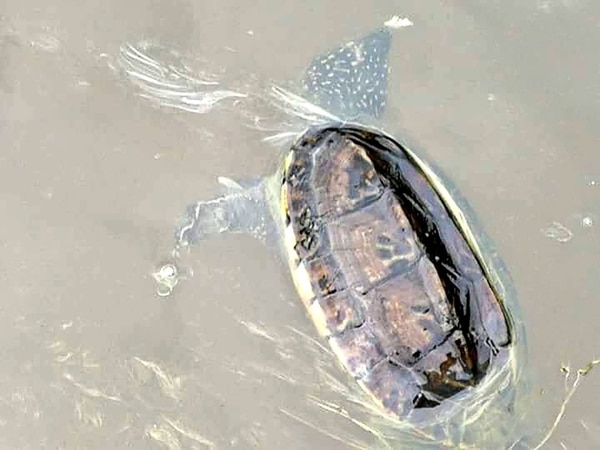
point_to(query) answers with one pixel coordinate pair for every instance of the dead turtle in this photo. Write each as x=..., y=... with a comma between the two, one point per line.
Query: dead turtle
x=382, y=251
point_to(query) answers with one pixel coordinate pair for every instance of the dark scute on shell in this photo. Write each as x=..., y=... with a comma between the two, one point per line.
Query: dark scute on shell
x=343, y=177
x=325, y=275
x=354, y=241
x=342, y=311
x=397, y=387
x=452, y=361
x=409, y=329
x=361, y=348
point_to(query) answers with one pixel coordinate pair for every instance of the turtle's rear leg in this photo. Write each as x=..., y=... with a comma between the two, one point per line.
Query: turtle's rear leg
x=243, y=209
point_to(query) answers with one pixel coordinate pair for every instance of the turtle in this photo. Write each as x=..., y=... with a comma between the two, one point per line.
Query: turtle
x=385, y=254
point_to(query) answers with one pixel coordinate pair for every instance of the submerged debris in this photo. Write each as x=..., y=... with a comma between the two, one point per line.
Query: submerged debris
x=569, y=392
x=587, y=222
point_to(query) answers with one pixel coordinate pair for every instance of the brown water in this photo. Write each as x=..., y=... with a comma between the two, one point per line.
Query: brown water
x=502, y=95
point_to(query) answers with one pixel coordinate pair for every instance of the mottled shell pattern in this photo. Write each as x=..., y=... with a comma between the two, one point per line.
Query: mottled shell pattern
x=387, y=276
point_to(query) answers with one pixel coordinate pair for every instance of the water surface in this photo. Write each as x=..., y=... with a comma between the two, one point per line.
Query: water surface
x=502, y=95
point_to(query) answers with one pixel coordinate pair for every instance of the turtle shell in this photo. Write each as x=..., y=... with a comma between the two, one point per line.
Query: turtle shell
x=388, y=274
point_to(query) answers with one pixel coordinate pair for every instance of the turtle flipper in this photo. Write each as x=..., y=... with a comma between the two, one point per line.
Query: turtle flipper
x=243, y=209
x=347, y=83
x=351, y=81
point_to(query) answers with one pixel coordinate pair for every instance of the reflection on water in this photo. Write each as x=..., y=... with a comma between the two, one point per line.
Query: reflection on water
x=92, y=358
x=177, y=88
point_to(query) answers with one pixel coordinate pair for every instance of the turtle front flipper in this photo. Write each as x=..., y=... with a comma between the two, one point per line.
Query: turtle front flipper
x=351, y=81
x=348, y=83
x=243, y=209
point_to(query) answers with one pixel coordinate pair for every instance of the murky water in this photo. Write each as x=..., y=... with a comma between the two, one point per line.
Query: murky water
x=502, y=95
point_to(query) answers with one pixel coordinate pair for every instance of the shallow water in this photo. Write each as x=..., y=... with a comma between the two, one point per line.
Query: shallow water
x=501, y=95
